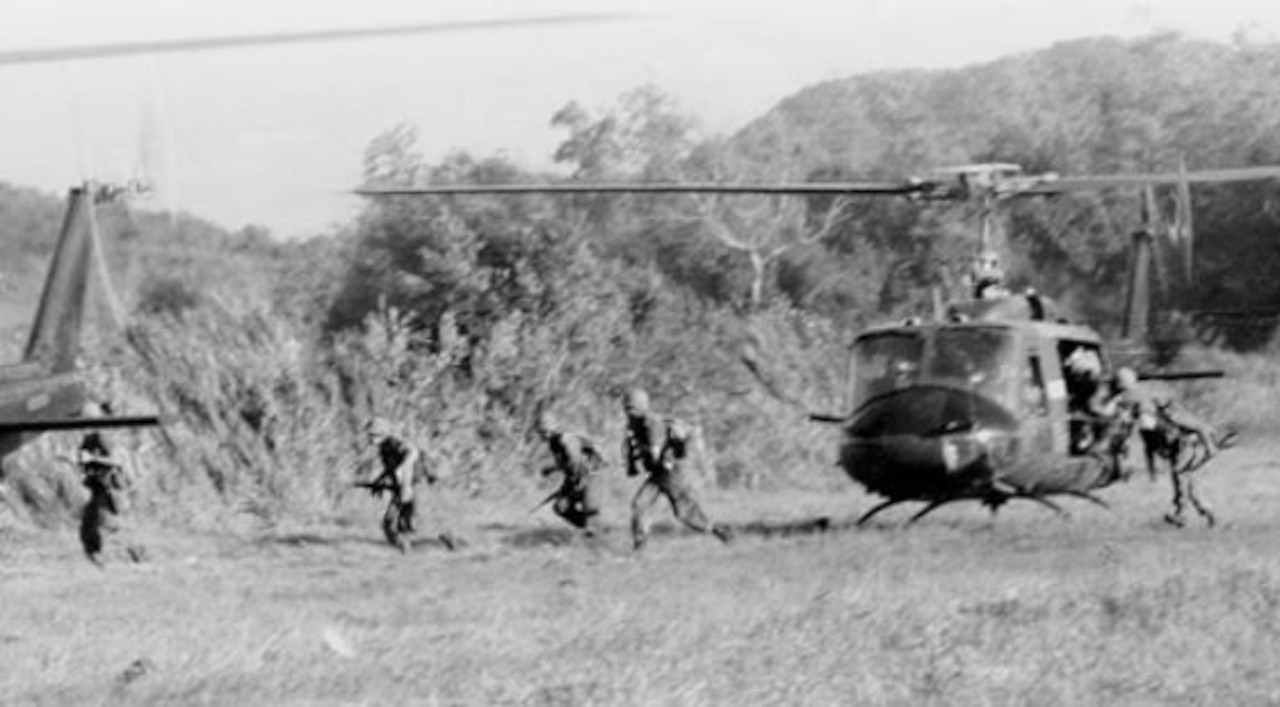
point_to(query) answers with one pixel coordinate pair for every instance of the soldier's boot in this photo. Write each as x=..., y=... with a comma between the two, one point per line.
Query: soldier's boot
x=639, y=533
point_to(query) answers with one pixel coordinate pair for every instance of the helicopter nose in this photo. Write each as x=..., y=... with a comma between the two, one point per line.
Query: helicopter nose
x=928, y=411
x=914, y=442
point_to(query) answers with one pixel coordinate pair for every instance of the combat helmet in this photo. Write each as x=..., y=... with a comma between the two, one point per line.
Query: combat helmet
x=1126, y=378
x=547, y=423
x=378, y=427
x=636, y=402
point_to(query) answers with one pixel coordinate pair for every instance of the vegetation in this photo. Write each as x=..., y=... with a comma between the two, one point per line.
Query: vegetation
x=462, y=319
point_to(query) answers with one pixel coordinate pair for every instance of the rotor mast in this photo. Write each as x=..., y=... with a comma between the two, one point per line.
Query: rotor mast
x=986, y=184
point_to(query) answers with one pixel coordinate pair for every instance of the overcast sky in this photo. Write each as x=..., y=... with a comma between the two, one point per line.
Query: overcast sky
x=274, y=136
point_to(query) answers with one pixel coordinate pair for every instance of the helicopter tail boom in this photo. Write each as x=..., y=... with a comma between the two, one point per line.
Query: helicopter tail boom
x=55, y=335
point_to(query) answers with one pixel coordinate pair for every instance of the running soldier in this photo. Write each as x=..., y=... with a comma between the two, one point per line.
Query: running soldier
x=660, y=451
x=399, y=461
x=1148, y=410
x=103, y=476
x=579, y=460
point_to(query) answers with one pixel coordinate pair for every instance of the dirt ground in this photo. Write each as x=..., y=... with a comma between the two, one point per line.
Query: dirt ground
x=1107, y=607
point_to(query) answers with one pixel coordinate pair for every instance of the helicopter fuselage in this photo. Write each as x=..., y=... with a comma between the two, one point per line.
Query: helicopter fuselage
x=985, y=410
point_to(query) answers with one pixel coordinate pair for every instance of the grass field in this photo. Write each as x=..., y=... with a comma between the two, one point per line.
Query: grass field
x=1104, y=608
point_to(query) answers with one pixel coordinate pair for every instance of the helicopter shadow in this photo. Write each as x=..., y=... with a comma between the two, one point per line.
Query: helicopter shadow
x=553, y=536
x=524, y=538
x=304, y=539
x=354, y=538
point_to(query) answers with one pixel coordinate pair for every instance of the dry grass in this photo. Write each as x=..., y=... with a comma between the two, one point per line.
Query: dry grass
x=1108, y=608
x=1249, y=395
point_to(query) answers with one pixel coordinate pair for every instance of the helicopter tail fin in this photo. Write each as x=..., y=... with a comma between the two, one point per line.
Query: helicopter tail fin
x=55, y=335
x=1138, y=298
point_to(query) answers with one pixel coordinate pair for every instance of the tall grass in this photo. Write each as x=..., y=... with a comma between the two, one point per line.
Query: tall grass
x=265, y=421
x=1246, y=398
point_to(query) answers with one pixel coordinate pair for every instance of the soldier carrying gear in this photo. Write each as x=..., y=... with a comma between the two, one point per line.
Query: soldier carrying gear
x=660, y=451
x=104, y=478
x=642, y=446
x=578, y=459
x=1155, y=415
x=399, y=461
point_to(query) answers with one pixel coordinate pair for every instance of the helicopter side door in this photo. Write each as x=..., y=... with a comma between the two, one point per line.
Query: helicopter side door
x=1082, y=369
x=1041, y=405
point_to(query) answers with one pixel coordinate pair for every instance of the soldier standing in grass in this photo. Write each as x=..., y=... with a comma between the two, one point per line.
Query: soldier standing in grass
x=659, y=450
x=579, y=460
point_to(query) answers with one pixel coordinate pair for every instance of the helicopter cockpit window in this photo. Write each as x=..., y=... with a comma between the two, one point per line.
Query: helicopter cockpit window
x=885, y=362
x=981, y=359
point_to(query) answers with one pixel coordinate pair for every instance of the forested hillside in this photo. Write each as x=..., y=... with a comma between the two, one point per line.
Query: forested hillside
x=1099, y=106
x=462, y=319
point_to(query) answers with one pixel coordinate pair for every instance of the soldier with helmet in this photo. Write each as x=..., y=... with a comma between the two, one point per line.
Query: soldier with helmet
x=578, y=459
x=659, y=450
x=1149, y=409
x=104, y=477
x=399, y=461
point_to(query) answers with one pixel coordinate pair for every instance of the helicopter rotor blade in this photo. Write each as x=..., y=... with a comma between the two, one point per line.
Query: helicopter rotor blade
x=195, y=44
x=815, y=188
x=1057, y=185
x=928, y=189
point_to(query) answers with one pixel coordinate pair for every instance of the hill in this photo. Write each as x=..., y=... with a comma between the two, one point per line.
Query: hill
x=1087, y=106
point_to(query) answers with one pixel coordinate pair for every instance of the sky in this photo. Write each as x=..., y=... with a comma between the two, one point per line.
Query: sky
x=273, y=136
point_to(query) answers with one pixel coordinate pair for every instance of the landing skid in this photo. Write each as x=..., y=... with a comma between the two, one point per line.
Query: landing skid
x=1086, y=496
x=992, y=504
x=876, y=510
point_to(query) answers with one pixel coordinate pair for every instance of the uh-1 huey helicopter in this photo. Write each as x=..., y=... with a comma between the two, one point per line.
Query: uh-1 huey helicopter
x=44, y=392
x=985, y=402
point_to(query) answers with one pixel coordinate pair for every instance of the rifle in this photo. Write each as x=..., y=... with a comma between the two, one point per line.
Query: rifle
x=550, y=497
x=375, y=487
x=102, y=461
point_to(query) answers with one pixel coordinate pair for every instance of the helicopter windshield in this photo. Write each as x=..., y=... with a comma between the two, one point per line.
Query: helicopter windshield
x=885, y=362
x=978, y=358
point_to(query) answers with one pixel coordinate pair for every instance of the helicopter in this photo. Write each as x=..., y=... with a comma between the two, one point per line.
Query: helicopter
x=43, y=392
x=987, y=401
